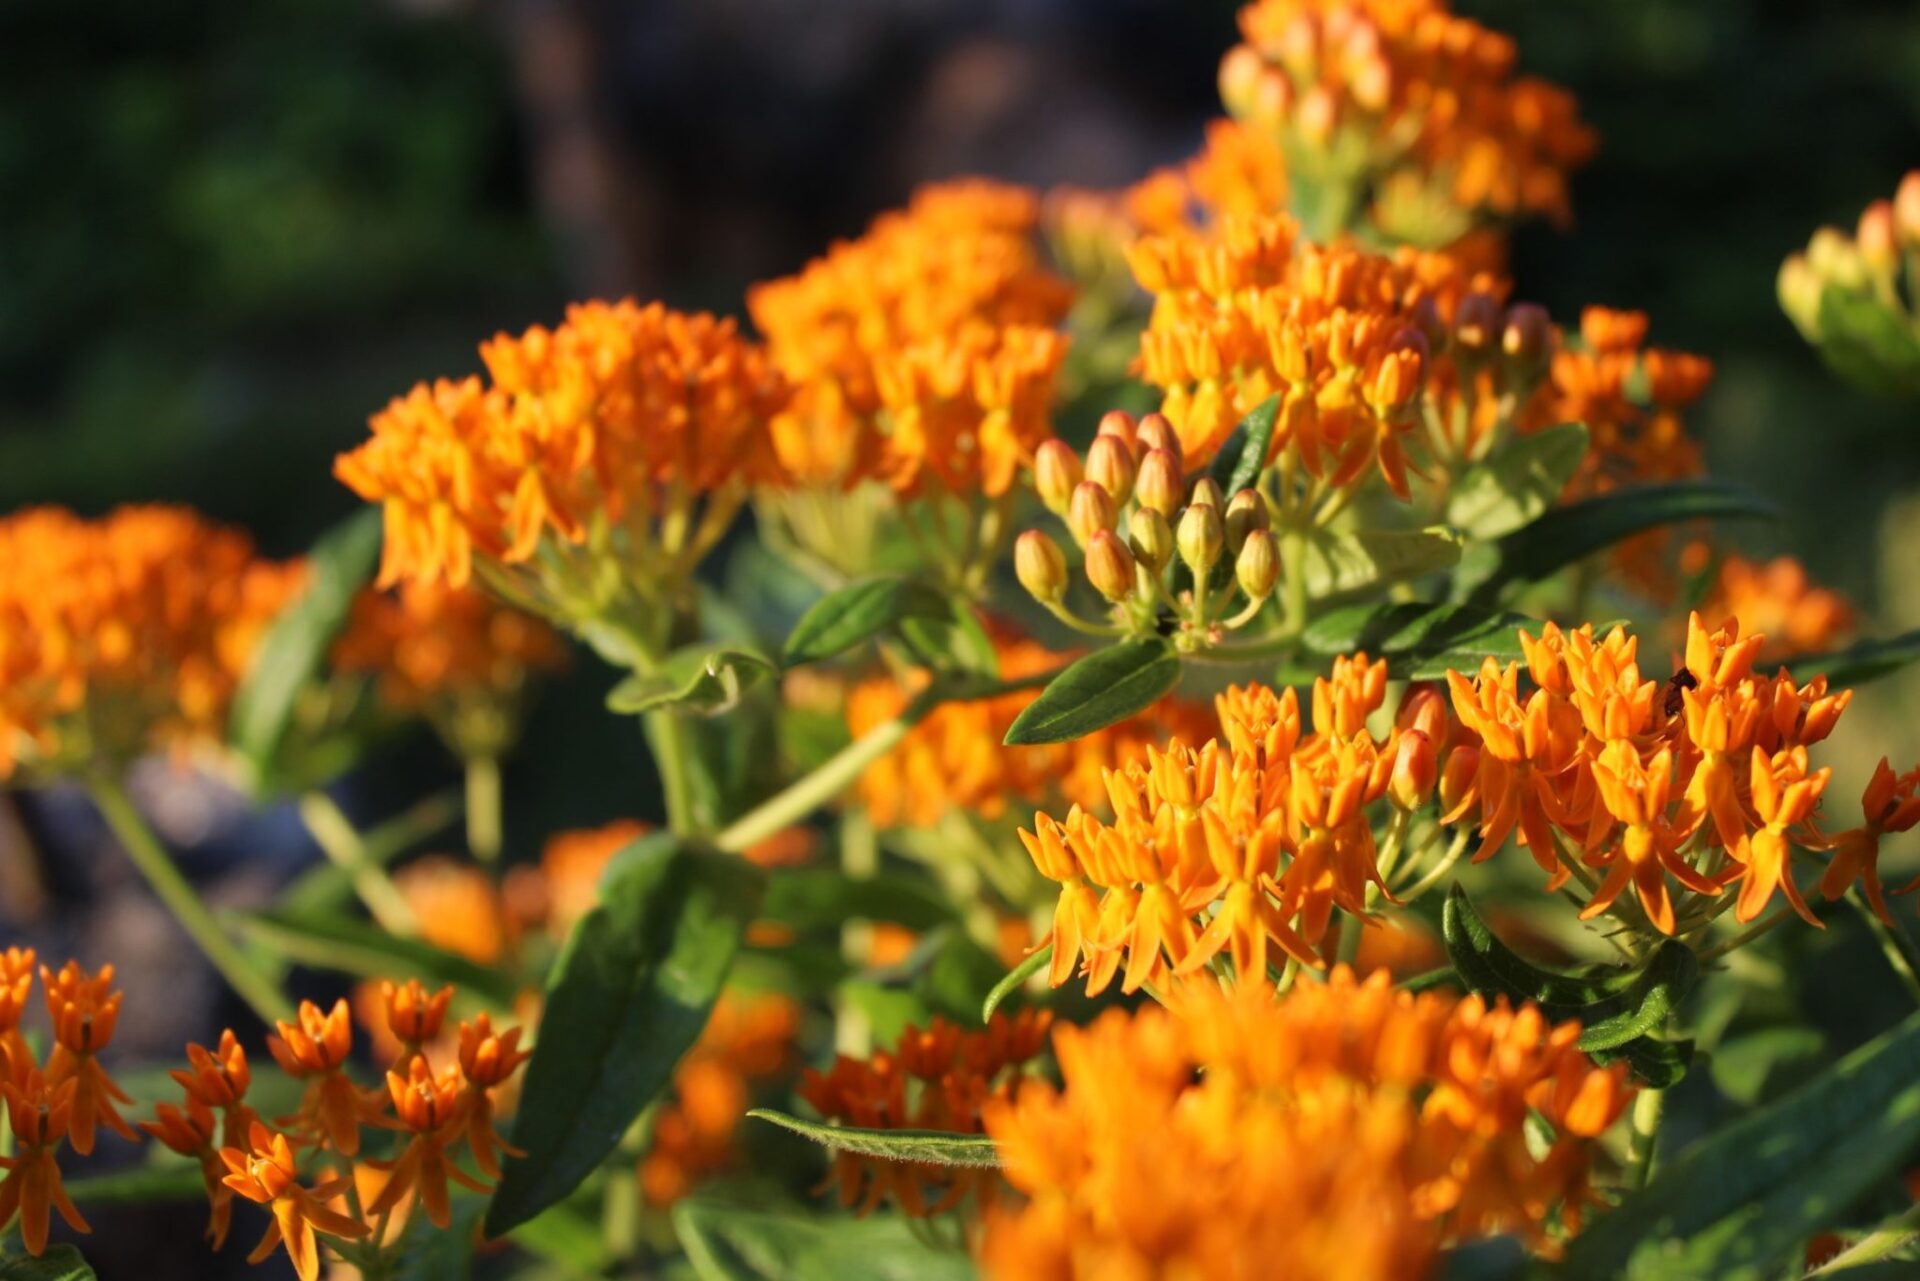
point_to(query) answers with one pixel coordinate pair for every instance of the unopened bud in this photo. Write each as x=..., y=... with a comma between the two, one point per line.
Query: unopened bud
x=1118, y=422
x=1246, y=512
x=1300, y=46
x=1319, y=115
x=1527, y=339
x=1457, y=777
x=1056, y=470
x=1425, y=710
x=1158, y=485
x=1110, y=466
x=1273, y=98
x=1799, y=290
x=1150, y=538
x=1875, y=237
x=1240, y=73
x=1206, y=493
x=1091, y=511
x=1257, y=567
x=1157, y=433
x=1906, y=210
x=1202, y=537
x=1414, y=771
x=1040, y=566
x=1835, y=259
x=1476, y=326
x=1110, y=566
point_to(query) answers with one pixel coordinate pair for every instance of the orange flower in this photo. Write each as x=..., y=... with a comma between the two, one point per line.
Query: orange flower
x=220, y=1080
x=967, y=412
x=1525, y=747
x=939, y=1079
x=265, y=1173
x=190, y=1131
x=16, y=985
x=1778, y=600
x=571, y=864
x=40, y=1114
x=1889, y=804
x=315, y=1049
x=621, y=414
x=1784, y=794
x=84, y=1009
x=125, y=634
x=959, y=260
x=1341, y=1130
x=486, y=1061
x=431, y=1105
x=413, y=1017
x=458, y=908
x=1634, y=794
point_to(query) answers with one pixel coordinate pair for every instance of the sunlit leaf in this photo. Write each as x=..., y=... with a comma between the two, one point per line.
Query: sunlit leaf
x=1519, y=482
x=1420, y=641
x=931, y=1147
x=733, y=1243
x=1101, y=689
x=708, y=679
x=840, y=620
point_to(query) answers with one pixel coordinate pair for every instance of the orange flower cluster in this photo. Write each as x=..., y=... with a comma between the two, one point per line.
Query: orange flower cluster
x=1240, y=848
x=922, y=352
x=1344, y=1131
x=1403, y=97
x=126, y=633
x=1704, y=778
x=1777, y=599
x=1247, y=310
x=942, y=1078
x=746, y=1039
x=954, y=758
x=618, y=417
x=437, y=647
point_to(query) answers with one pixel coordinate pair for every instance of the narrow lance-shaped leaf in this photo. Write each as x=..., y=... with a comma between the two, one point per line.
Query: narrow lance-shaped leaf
x=330, y=942
x=1515, y=485
x=59, y=1263
x=1420, y=641
x=1016, y=977
x=295, y=647
x=1867, y=661
x=815, y=897
x=1339, y=565
x=930, y=1147
x=1099, y=690
x=840, y=620
x=629, y=995
x=735, y=1243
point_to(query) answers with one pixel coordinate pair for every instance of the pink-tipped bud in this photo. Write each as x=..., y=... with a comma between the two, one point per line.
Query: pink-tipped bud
x=1257, y=567
x=1157, y=433
x=1201, y=538
x=1159, y=485
x=1110, y=566
x=1110, y=466
x=1056, y=470
x=1150, y=538
x=1118, y=422
x=1246, y=512
x=1091, y=511
x=1425, y=710
x=1836, y=259
x=1906, y=210
x=1875, y=236
x=1206, y=493
x=1415, y=771
x=1040, y=566
x=1457, y=777
x=1318, y=116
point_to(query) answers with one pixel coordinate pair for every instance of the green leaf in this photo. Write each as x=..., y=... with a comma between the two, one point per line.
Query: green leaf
x=840, y=620
x=1754, y=1065
x=1420, y=641
x=294, y=649
x=443, y=1254
x=59, y=1263
x=1514, y=486
x=565, y=1236
x=1244, y=454
x=1428, y=980
x=1569, y=534
x=814, y=898
x=1867, y=661
x=1658, y=1064
x=1868, y=343
x=146, y=1183
x=1612, y=1010
x=330, y=942
x=1342, y=564
x=731, y=1243
x=708, y=679
x=1018, y=975
x=628, y=996
x=1740, y=1204
x=927, y=1147
x=1099, y=690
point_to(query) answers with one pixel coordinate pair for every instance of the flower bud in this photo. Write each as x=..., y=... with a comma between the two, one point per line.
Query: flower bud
x=1091, y=511
x=1150, y=538
x=1246, y=512
x=1157, y=433
x=1875, y=237
x=1319, y=115
x=1414, y=771
x=1457, y=777
x=1906, y=210
x=1799, y=292
x=1835, y=258
x=1240, y=73
x=1527, y=340
x=1118, y=422
x=1110, y=566
x=1203, y=535
x=1257, y=567
x=1040, y=566
x=1056, y=470
x=1110, y=466
x=1158, y=485
x=1206, y=493
x=1476, y=326
x=1272, y=100
x=1425, y=710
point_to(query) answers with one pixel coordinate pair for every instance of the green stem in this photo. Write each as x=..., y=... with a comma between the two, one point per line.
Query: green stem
x=483, y=808
x=672, y=749
x=1293, y=584
x=144, y=848
x=1892, y=945
x=342, y=844
x=808, y=793
x=1746, y=936
x=1440, y=869
x=1647, y=1107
